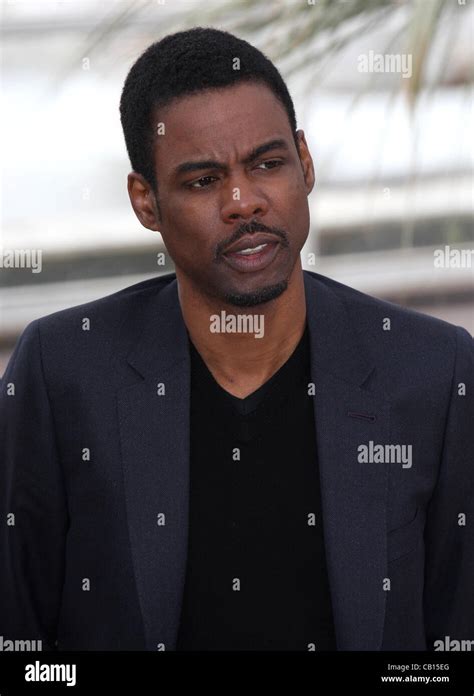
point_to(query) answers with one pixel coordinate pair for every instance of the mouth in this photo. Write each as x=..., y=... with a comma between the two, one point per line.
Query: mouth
x=252, y=257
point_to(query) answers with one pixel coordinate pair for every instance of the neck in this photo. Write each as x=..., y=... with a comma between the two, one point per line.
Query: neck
x=239, y=361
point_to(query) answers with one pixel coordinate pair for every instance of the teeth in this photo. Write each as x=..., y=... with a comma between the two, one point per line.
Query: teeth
x=255, y=250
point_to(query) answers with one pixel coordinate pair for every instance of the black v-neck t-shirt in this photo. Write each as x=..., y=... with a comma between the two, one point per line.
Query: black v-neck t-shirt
x=256, y=576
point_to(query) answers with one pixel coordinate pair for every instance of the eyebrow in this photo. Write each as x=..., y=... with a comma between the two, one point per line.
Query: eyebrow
x=186, y=167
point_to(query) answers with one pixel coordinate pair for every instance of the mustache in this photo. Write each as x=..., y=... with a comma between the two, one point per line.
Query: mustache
x=250, y=228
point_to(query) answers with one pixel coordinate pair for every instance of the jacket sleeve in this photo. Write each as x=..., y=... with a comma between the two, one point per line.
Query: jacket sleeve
x=33, y=505
x=449, y=532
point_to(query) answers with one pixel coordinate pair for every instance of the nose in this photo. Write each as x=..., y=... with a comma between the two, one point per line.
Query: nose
x=243, y=201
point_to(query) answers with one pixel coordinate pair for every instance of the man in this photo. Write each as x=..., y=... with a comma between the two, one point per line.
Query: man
x=240, y=455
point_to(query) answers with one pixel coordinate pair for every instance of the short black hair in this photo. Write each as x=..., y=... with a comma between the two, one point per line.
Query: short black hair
x=181, y=64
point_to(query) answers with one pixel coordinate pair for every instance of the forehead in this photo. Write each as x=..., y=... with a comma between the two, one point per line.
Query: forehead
x=218, y=123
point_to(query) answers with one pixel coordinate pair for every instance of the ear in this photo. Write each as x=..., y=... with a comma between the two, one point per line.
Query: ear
x=143, y=201
x=306, y=161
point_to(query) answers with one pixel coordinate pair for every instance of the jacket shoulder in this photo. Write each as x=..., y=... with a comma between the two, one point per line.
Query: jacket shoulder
x=367, y=311
x=109, y=309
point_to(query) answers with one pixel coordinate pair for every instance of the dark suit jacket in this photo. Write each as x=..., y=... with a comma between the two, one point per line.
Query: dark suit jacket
x=91, y=455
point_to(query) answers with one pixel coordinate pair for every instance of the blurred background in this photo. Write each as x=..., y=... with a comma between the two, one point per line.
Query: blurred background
x=382, y=88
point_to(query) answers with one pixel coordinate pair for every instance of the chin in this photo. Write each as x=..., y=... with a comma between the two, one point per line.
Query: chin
x=256, y=297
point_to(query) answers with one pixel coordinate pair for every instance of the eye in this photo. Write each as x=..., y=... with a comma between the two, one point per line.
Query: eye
x=203, y=178
x=275, y=162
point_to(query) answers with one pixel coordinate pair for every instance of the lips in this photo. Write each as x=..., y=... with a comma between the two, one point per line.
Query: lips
x=261, y=257
x=251, y=242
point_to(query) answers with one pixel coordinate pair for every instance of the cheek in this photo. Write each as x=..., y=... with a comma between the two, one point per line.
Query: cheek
x=302, y=215
x=187, y=239
x=293, y=190
x=198, y=225
x=294, y=210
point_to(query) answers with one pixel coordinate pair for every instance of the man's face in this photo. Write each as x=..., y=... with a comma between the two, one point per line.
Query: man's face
x=229, y=198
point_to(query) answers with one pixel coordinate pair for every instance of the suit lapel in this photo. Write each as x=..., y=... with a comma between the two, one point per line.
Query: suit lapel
x=353, y=494
x=154, y=431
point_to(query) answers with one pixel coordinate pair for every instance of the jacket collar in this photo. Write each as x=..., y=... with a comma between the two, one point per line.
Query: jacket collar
x=335, y=345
